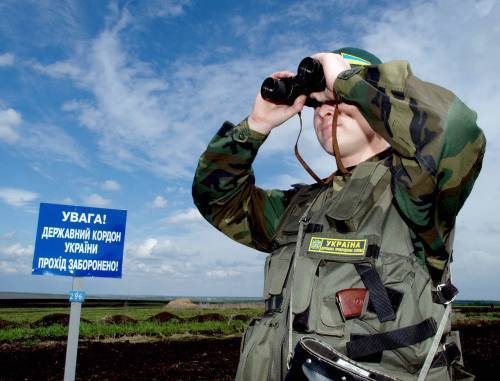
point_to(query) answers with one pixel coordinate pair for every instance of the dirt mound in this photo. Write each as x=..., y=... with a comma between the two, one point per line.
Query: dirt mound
x=241, y=318
x=181, y=303
x=56, y=318
x=119, y=319
x=207, y=317
x=163, y=317
x=7, y=324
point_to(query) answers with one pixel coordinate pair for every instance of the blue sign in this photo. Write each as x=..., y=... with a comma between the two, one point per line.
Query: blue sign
x=76, y=296
x=79, y=241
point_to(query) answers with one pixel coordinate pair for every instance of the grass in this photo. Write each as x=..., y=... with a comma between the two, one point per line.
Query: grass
x=471, y=316
x=115, y=331
x=93, y=327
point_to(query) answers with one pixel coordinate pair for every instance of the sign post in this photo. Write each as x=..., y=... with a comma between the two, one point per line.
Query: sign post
x=80, y=242
x=76, y=298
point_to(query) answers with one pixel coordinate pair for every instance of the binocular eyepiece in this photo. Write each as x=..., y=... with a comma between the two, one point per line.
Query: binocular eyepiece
x=310, y=78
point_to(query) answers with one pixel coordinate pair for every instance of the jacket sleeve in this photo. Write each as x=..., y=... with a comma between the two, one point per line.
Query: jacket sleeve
x=224, y=188
x=437, y=149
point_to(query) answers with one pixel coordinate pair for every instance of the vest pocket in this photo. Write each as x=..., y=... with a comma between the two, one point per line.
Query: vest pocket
x=263, y=340
x=303, y=280
x=332, y=278
x=367, y=186
x=261, y=349
x=276, y=271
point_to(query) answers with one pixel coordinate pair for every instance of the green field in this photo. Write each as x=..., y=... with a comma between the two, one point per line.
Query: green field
x=32, y=325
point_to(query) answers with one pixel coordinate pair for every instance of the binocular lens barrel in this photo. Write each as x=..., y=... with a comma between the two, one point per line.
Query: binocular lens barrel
x=310, y=78
x=279, y=91
x=310, y=72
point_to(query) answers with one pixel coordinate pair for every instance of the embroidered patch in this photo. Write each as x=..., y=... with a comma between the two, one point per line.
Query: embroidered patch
x=337, y=246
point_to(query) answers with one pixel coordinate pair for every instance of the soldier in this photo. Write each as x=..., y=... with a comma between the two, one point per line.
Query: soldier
x=357, y=280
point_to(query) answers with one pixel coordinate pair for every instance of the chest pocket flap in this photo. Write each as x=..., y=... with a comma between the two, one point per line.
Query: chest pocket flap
x=369, y=180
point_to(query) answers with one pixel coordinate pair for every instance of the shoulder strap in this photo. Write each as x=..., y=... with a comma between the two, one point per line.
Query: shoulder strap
x=303, y=222
x=289, y=224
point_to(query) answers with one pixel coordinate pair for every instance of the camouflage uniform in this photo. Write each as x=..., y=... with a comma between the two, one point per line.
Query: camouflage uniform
x=435, y=157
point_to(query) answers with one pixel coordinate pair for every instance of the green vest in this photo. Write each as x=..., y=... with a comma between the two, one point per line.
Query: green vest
x=350, y=241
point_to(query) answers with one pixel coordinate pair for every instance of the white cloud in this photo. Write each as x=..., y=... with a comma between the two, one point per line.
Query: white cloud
x=96, y=200
x=130, y=110
x=159, y=202
x=111, y=185
x=17, y=250
x=68, y=201
x=146, y=248
x=7, y=235
x=9, y=120
x=7, y=59
x=165, y=269
x=159, y=248
x=8, y=267
x=135, y=110
x=188, y=215
x=484, y=7
x=61, y=69
x=166, y=9
x=283, y=181
x=190, y=253
x=42, y=140
x=15, y=258
x=53, y=142
x=222, y=273
x=17, y=197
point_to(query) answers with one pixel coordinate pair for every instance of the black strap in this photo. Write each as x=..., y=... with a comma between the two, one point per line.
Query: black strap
x=395, y=297
x=378, y=294
x=402, y=337
x=313, y=228
x=373, y=251
x=273, y=304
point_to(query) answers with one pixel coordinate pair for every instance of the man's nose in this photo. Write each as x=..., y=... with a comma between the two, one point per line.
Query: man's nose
x=325, y=109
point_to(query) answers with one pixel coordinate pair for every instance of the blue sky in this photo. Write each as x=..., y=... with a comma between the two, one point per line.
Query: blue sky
x=110, y=103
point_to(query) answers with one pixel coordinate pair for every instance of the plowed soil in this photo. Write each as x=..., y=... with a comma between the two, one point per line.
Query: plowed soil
x=200, y=359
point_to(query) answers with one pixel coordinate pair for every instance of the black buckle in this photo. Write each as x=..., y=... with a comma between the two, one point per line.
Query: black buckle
x=445, y=293
x=448, y=356
x=451, y=352
x=273, y=304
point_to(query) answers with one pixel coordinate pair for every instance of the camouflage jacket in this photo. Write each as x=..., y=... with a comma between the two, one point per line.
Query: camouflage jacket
x=436, y=156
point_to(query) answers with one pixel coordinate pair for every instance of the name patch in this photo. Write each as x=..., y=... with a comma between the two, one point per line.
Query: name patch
x=337, y=246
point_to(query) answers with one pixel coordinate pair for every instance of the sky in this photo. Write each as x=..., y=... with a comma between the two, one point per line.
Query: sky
x=109, y=104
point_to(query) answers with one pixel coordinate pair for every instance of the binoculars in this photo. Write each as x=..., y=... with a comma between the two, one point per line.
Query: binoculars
x=310, y=78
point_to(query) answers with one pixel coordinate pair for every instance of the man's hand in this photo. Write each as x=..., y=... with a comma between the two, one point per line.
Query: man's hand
x=333, y=64
x=266, y=115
